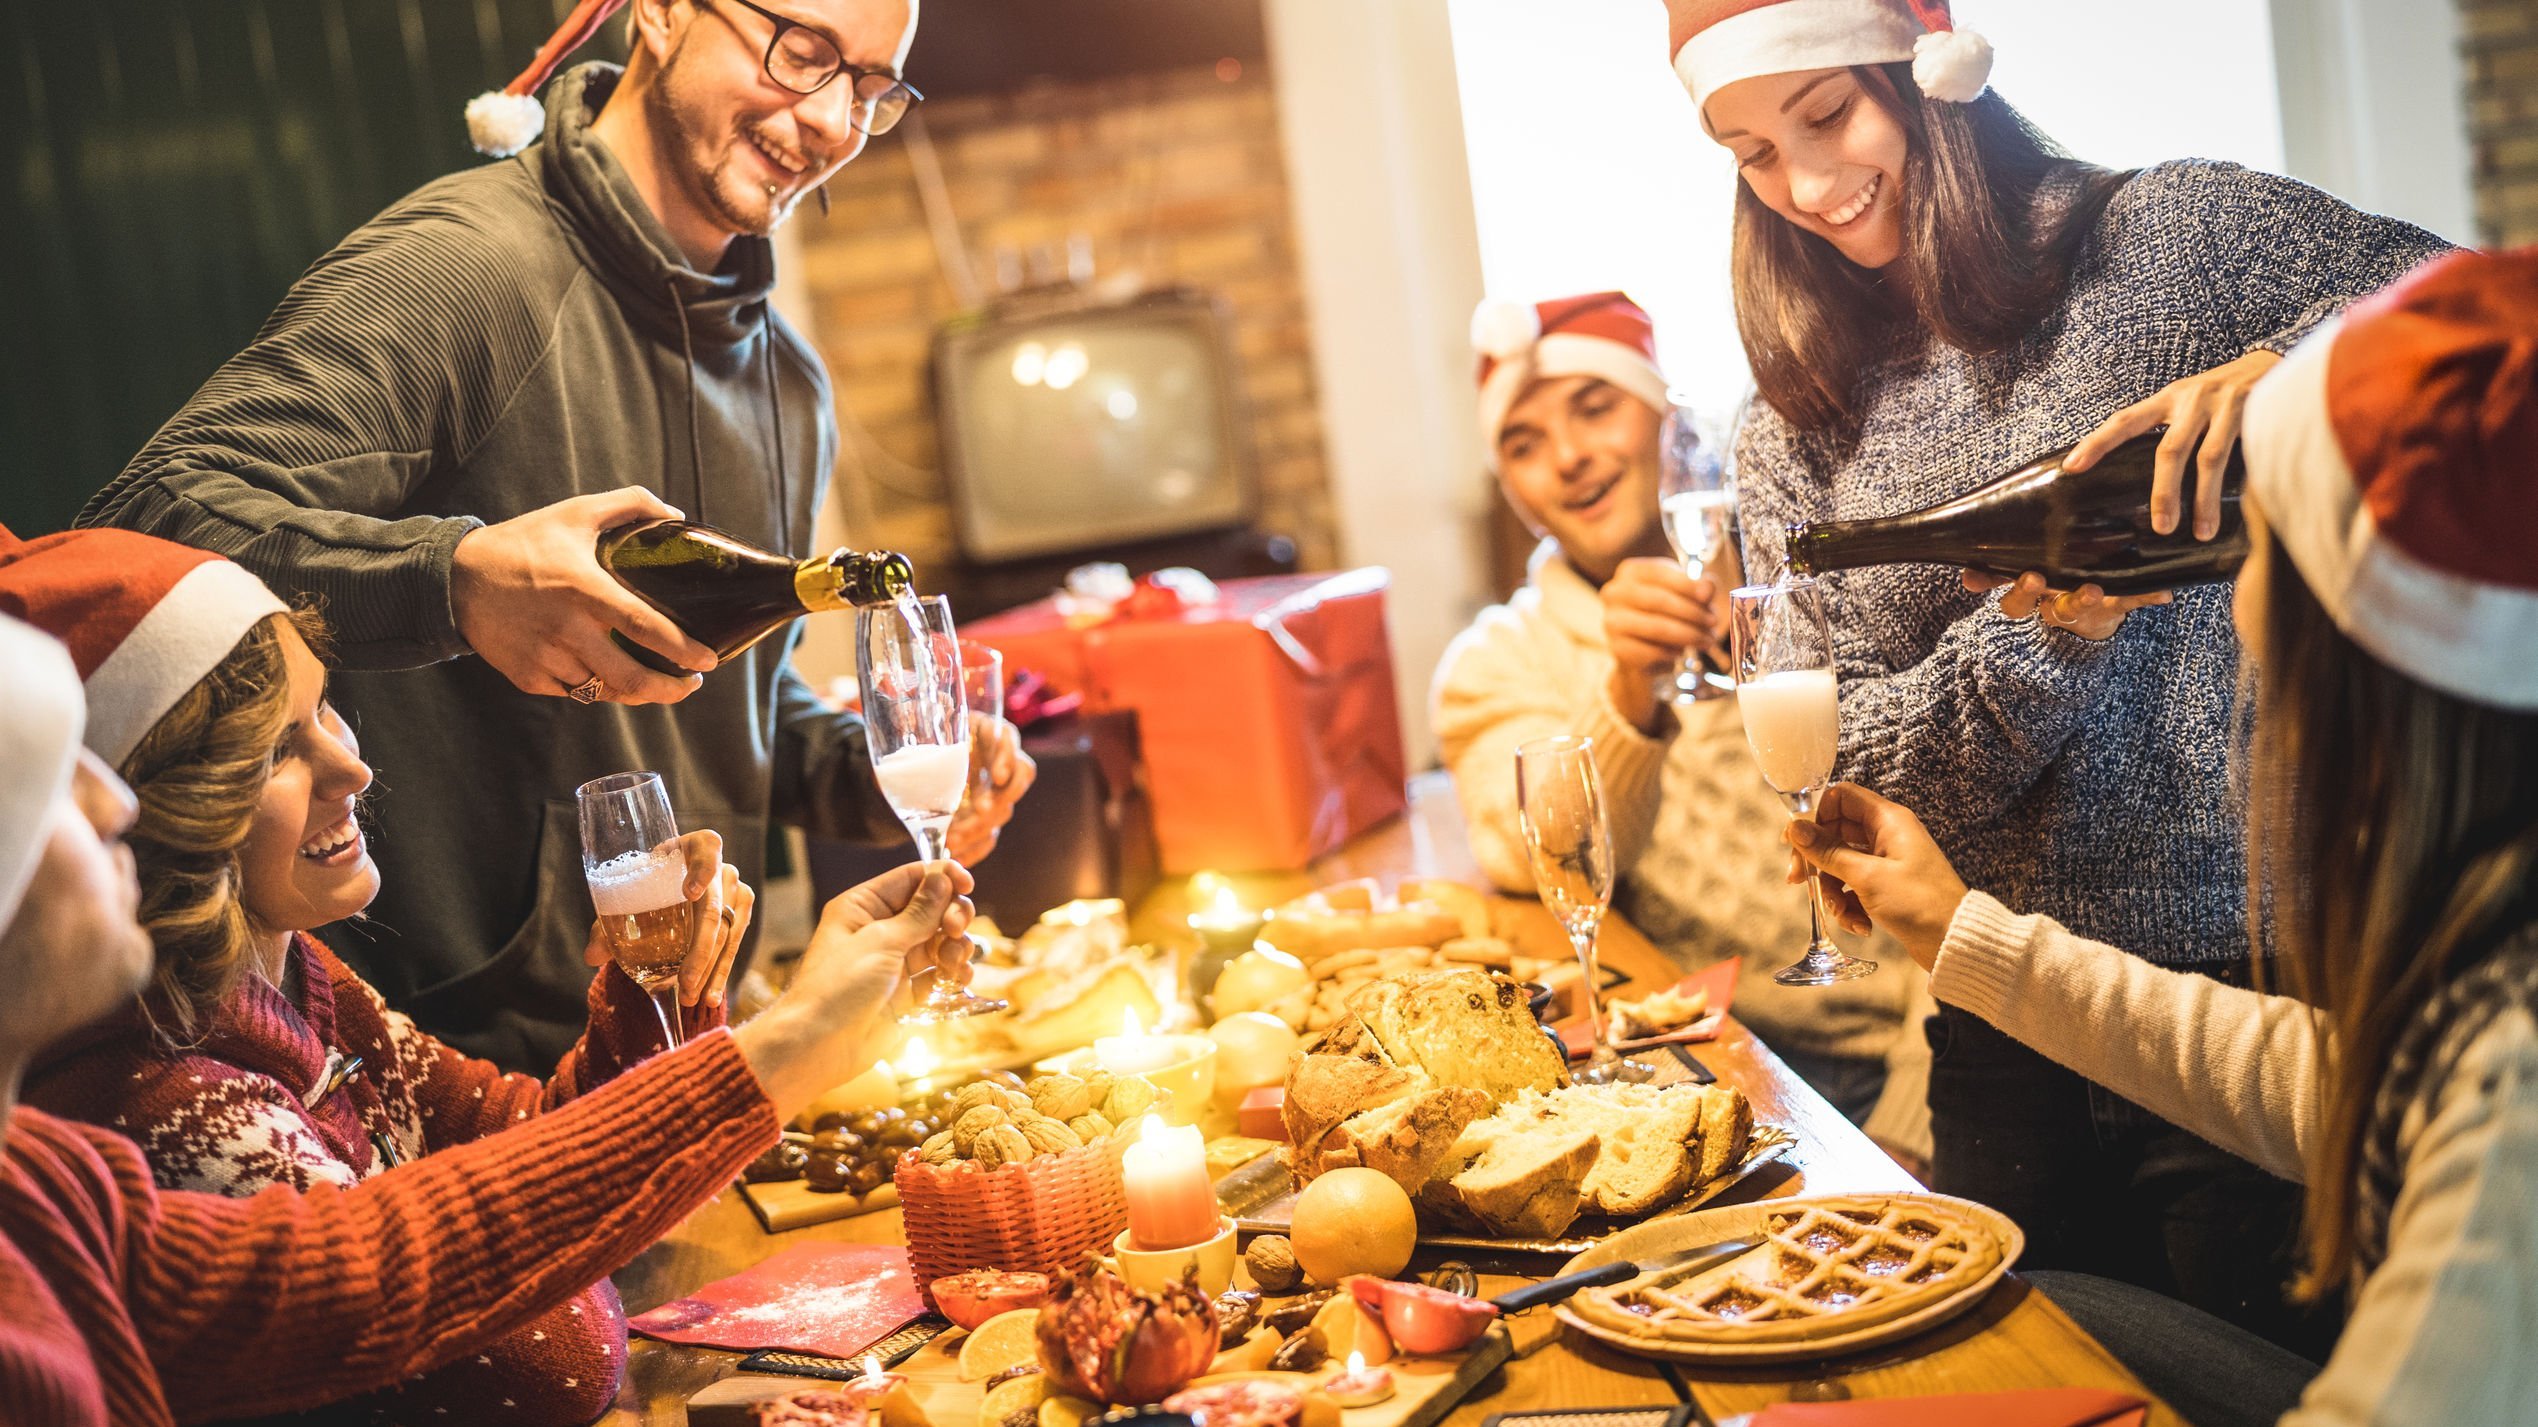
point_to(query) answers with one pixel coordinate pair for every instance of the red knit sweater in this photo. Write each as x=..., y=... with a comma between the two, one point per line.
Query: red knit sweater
x=139, y=1307
x=229, y=1115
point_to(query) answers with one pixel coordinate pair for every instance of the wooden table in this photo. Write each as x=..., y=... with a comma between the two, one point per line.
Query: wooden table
x=2015, y=1339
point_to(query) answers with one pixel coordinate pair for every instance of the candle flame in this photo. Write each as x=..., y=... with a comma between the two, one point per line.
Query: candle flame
x=1128, y=1027
x=872, y=1369
x=917, y=1058
x=1149, y=1129
x=1356, y=1363
x=886, y=1072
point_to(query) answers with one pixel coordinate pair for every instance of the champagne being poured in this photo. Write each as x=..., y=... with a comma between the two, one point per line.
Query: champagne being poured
x=2073, y=527
x=728, y=594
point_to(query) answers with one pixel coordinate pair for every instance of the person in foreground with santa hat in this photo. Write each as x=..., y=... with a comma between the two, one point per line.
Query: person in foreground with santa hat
x=1931, y=295
x=1571, y=405
x=138, y=1307
x=2389, y=608
x=444, y=412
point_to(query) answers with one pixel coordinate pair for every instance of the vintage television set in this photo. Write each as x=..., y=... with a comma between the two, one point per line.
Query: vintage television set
x=1074, y=424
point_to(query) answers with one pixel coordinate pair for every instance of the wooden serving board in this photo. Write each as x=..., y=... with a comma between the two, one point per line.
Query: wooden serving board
x=792, y=1203
x=1425, y=1388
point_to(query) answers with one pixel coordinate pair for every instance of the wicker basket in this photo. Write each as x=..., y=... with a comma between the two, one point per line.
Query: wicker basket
x=1039, y=1216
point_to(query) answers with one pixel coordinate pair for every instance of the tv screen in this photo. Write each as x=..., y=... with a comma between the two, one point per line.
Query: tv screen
x=1089, y=426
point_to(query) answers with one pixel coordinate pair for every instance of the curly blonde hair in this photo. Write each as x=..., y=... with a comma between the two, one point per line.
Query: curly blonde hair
x=199, y=773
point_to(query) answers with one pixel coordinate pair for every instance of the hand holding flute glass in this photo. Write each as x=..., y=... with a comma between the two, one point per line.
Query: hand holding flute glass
x=1697, y=509
x=1787, y=693
x=639, y=869
x=916, y=722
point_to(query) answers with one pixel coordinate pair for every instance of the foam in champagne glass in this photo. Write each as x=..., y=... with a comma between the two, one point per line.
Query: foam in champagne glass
x=633, y=883
x=924, y=779
x=1792, y=719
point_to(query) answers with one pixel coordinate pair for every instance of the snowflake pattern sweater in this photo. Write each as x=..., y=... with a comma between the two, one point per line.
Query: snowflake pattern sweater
x=237, y=1113
x=137, y=1307
x=2086, y=781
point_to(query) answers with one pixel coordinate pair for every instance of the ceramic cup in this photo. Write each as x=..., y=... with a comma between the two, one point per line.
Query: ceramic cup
x=1154, y=1269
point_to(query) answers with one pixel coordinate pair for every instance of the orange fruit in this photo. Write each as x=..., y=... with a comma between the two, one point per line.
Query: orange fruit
x=1353, y=1221
x=1004, y=1341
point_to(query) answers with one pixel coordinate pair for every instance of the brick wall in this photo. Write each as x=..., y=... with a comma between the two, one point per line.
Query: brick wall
x=1176, y=176
x=2500, y=38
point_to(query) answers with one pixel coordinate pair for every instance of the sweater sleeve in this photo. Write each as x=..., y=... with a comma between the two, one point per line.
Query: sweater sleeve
x=824, y=782
x=286, y=1301
x=2238, y=1068
x=301, y=457
x=2278, y=257
x=2426, y=1340
x=1491, y=695
x=1962, y=734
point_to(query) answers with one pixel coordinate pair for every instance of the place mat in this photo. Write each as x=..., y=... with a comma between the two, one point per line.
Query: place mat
x=836, y=1300
x=1718, y=980
x=2030, y=1407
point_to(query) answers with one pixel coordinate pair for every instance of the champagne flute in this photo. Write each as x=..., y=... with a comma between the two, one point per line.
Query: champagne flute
x=1697, y=509
x=1786, y=690
x=916, y=723
x=1560, y=801
x=638, y=884
x=983, y=689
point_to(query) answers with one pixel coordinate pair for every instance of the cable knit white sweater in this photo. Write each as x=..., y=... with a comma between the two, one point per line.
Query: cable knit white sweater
x=1696, y=832
x=2445, y=1328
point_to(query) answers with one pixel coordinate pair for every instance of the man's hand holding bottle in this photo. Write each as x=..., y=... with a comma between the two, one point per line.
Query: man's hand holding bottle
x=531, y=597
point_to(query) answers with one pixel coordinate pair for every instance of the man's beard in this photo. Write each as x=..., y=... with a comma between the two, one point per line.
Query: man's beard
x=741, y=204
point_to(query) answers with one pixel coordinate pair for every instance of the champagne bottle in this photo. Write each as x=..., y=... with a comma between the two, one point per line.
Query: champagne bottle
x=2073, y=527
x=728, y=594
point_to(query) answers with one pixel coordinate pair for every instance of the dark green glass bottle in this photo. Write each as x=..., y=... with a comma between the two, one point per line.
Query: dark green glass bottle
x=728, y=594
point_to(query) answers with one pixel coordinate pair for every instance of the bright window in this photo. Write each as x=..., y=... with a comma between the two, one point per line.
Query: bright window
x=1589, y=170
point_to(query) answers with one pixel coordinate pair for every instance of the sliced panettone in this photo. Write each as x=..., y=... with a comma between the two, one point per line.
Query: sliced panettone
x=1343, y=1073
x=1410, y=1140
x=1529, y=1185
x=1727, y=1128
x=1464, y=1027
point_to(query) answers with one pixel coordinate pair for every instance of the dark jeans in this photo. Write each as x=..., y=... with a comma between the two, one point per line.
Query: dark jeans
x=2215, y=1374
x=1852, y=1083
x=2102, y=1186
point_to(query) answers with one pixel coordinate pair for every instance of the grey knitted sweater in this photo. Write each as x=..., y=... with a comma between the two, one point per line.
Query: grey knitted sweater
x=2086, y=781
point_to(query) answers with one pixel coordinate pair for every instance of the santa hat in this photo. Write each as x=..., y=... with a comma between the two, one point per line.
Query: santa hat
x=502, y=122
x=1746, y=39
x=1602, y=334
x=39, y=739
x=145, y=619
x=2395, y=455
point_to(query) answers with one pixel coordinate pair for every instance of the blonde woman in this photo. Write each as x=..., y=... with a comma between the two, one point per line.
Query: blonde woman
x=2390, y=612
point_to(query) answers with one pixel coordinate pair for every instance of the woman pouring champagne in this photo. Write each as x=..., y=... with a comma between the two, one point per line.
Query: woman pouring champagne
x=1930, y=294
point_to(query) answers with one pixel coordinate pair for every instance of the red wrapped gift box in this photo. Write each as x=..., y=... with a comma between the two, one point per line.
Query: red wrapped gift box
x=1270, y=730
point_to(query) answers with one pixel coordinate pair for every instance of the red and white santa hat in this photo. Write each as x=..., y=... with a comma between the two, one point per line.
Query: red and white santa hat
x=1599, y=334
x=2395, y=456
x=145, y=619
x=39, y=739
x=502, y=122
x=1746, y=39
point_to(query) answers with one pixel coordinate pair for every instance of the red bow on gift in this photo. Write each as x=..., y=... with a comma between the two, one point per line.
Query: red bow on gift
x=1029, y=699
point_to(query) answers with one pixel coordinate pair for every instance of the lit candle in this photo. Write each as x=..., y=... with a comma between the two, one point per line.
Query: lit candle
x=1360, y=1386
x=1171, y=1203
x=917, y=1060
x=1132, y=1051
x=884, y=1395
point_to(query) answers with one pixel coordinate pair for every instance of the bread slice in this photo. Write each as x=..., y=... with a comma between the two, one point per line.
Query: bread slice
x=1343, y=1073
x=1655, y=1142
x=1529, y=1185
x=1727, y=1129
x=1410, y=1140
x=1463, y=1027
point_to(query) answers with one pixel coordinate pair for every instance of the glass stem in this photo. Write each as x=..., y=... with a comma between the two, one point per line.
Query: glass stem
x=665, y=1004
x=1594, y=996
x=1819, y=945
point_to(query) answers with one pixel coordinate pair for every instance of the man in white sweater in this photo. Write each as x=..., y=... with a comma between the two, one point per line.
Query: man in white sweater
x=1571, y=404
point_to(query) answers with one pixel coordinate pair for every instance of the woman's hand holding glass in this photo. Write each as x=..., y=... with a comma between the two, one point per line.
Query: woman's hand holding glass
x=724, y=906
x=1877, y=865
x=872, y=942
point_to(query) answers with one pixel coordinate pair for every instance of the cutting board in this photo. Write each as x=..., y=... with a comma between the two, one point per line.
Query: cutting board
x=1425, y=1389
x=793, y=1204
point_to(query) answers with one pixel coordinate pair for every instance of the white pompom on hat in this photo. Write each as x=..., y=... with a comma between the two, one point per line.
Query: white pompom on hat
x=1598, y=334
x=144, y=619
x=39, y=740
x=1746, y=39
x=502, y=122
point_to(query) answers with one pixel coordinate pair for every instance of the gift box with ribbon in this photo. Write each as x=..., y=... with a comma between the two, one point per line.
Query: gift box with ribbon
x=1265, y=707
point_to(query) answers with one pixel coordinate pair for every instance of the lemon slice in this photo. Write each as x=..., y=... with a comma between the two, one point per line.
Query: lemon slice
x=1063, y=1411
x=1004, y=1341
x=1014, y=1403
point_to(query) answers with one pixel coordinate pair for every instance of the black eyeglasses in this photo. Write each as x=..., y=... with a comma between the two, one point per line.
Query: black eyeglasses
x=804, y=60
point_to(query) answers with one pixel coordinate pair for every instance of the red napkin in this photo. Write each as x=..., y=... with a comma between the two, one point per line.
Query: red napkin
x=832, y=1299
x=1718, y=980
x=2035, y=1407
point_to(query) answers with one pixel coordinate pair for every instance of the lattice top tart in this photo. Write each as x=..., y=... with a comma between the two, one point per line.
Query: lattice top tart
x=1826, y=1266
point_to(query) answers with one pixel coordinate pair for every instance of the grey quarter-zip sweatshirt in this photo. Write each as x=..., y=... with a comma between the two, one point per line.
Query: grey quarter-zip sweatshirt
x=499, y=340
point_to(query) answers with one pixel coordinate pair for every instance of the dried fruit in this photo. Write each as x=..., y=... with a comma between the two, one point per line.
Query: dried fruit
x=1047, y=1136
x=1237, y=1313
x=1000, y=1145
x=1060, y=1097
x=974, y=1122
x=1295, y=1315
x=1099, y=1338
x=1302, y=1353
x=1089, y=1128
x=1272, y=1262
x=1129, y=1097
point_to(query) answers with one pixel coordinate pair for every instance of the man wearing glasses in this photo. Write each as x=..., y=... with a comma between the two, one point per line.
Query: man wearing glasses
x=431, y=430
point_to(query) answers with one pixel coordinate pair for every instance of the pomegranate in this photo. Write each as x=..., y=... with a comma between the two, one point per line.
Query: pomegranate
x=1101, y=1339
x=976, y=1295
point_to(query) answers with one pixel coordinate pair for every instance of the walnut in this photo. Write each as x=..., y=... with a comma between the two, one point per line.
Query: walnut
x=1273, y=1265
x=1001, y=1145
x=1090, y=1127
x=1097, y=1085
x=975, y=1122
x=1060, y=1097
x=975, y=1094
x=1129, y=1097
x=1047, y=1136
x=937, y=1149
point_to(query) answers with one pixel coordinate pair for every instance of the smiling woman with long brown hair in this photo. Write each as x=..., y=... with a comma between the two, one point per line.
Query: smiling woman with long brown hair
x=2390, y=611
x=1932, y=295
